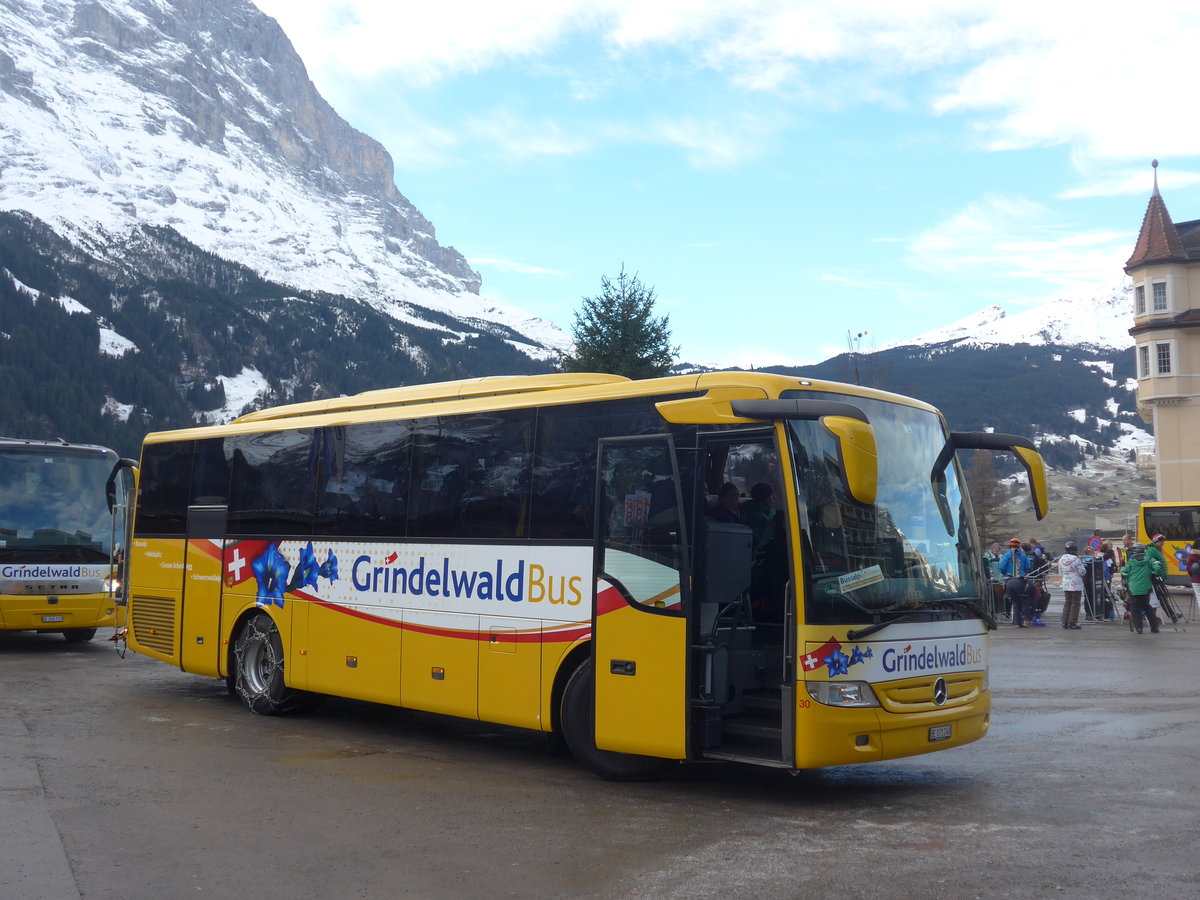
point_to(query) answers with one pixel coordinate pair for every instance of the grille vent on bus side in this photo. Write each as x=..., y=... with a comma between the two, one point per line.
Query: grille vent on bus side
x=153, y=621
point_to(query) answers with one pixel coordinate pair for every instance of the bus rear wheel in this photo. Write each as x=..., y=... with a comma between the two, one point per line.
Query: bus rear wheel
x=79, y=635
x=258, y=670
x=577, y=721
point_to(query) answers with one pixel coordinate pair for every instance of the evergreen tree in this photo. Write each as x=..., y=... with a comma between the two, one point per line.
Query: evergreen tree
x=617, y=332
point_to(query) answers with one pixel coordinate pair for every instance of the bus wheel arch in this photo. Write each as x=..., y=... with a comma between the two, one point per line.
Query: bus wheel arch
x=256, y=669
x=576, y=721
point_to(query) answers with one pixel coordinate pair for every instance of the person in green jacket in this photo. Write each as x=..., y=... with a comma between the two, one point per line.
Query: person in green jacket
x=1155, y=552
x=1139, y=575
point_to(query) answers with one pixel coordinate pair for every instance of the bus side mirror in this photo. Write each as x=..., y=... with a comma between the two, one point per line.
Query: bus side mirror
x=859, y=456
x=1035, y=467
x=1023, y=448
x=110, y=486
x=848, y=426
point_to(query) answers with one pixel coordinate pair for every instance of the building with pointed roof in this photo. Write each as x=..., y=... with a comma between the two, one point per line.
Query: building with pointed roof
x=1165, y=270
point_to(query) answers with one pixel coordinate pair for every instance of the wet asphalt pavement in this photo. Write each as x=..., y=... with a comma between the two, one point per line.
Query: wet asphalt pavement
x=129, y=779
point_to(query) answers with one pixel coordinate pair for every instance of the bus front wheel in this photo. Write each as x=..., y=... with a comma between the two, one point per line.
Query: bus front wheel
x=79, y=635
x=258, y=669
x=577, y=720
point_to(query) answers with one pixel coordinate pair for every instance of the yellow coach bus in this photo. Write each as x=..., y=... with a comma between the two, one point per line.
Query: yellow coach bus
x=1179, y=522
x=733, y=566
x=62, y=533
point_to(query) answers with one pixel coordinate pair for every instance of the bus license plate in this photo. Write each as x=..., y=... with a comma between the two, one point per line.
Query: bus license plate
x=939, y=733
x=46, y=620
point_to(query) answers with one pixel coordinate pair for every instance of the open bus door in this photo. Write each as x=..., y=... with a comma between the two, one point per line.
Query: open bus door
x=642, y=597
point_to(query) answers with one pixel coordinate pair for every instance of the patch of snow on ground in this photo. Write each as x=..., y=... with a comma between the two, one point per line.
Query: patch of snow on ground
x=116, y=409
x=240, y=391
x=22, y=286
x=113, y=344
x=71, y=305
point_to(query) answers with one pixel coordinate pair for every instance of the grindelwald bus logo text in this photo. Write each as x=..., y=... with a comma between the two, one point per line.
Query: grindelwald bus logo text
x=440, y=578
x=932, y=657
x=28, y=571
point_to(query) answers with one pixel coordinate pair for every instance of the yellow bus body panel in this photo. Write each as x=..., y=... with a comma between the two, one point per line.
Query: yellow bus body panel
x=439, y=670
x=25, y=612
x=828, y=736
x=645, y=712
x=337, y=651
x=510, y=668
x=200, y=624
x=155, y=592
x=902, y=724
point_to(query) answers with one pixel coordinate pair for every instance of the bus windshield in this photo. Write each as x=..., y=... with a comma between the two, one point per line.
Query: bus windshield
x=900, y=555
x=53, y=506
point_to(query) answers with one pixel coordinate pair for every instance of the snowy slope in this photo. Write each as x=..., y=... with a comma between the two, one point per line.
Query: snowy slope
x=1099, y=320
x=199, y=116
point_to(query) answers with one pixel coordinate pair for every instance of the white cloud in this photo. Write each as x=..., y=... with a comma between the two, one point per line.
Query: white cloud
x=509, y=135
x=425, y=41
x=1132, y=179
x=716, y=142
x=509, y=265
x=1015, y=237
x=1032, y=73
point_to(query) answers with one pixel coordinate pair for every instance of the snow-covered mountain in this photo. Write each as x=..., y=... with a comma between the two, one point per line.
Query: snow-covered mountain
x=198, y=115
x=187, y=227
x=1099, y=319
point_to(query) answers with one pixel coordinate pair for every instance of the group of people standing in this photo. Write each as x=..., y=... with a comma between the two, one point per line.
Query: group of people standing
x=1022, y=572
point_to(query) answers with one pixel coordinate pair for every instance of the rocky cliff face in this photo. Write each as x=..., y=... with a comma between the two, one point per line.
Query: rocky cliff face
x=199, y=115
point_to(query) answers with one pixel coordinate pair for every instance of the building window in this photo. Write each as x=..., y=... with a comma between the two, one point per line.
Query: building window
x=1160, y=296
x=1143, y=361
x=1162, y=353
x=1139, y=300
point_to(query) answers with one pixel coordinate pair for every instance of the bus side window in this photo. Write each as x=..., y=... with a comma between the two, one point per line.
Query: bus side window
x=272, y=490
x=471, y=476
x=564, y=464
x=164, y=489
x=362, y=485
x=210, y=474
x=437, y=481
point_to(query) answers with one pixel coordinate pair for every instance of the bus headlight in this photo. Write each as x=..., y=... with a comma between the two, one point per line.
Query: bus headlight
x=112, y=586
x=842, y=693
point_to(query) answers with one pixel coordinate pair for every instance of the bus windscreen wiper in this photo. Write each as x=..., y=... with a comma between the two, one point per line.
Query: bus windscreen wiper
x=973, y=605
x=859, y=634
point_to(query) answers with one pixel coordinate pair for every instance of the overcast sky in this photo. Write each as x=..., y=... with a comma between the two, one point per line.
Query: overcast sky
x=784, y=174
